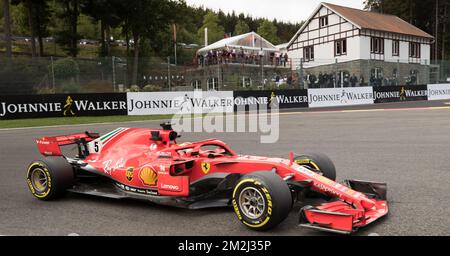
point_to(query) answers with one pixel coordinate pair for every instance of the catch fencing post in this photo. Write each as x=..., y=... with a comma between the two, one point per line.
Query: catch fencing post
x=300, y=75
x=53, y=73
x=218, y=76
x=114, y=73
x=335, y=72
x=168, y=73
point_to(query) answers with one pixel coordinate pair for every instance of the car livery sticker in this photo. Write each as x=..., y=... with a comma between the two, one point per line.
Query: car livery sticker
x=305, y=171
x=96, y=145
x=148, y=176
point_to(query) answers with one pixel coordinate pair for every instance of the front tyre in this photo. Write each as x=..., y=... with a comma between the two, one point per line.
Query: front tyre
x=49, y=178
x=318, y=162
x=261, y=200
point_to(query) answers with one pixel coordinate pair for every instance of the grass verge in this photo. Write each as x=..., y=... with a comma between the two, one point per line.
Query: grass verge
x=55, y=121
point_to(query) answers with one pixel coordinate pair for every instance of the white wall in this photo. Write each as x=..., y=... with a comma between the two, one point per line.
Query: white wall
x=425, y=51
x=403, y=51
x=364, y=50
x=324, y=53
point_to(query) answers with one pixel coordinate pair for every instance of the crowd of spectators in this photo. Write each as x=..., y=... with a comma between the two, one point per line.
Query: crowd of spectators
x=324, y=80
x=241, y=56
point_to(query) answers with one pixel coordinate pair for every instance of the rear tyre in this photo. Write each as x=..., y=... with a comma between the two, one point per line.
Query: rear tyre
x=261, y=200
x=318, y=162
x=49, y=178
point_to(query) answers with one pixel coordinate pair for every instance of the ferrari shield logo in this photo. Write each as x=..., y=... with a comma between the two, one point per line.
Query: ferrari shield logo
x=206, y=167
x=129, y=173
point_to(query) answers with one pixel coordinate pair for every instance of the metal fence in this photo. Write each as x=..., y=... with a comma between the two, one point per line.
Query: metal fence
x=25, y=75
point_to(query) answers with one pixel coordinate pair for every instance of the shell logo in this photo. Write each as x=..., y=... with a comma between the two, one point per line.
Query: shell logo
x=148, y=176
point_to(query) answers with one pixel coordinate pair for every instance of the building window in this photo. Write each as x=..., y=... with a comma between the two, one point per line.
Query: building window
x=377, y=45
x=323, y=21
x=340, y=47
x=213, y=83
x=196, y=84
x=395, y=48
x=246, y=82
x=414, y=50
x=308, y=53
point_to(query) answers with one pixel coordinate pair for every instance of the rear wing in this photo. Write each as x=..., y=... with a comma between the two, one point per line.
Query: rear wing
x=51, y=146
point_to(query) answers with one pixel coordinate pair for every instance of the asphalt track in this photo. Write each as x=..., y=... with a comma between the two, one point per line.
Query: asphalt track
x=407, y=145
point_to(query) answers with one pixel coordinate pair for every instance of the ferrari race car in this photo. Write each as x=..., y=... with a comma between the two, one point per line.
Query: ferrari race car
x=149, y=164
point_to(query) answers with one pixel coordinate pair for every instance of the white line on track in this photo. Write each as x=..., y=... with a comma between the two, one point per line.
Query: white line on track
x=281, y=113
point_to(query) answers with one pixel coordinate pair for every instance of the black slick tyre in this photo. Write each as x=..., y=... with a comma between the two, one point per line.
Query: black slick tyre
x=261, y=200
x=49, y=178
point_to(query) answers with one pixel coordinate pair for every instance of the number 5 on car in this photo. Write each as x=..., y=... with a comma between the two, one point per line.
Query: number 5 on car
x=95, y=146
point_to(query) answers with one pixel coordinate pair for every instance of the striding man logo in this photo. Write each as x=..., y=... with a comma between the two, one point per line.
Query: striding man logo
x=68, y=106
x=402, y=93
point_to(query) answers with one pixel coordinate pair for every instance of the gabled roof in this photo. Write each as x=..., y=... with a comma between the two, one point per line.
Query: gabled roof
x=249, y=41
x=377, y=21
x=282, y=46
x=369, y=20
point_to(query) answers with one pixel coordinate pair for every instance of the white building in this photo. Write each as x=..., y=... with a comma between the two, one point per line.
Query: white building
x=385, y=45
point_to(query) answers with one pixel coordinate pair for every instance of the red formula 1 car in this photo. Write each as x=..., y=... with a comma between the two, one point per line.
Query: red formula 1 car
x=148, y=164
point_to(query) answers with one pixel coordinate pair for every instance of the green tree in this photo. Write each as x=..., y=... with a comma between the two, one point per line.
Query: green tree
x=32, y=18
x=268, y=31
x=88, y=27
x=41, y=18
x=423, y=15
x=26, y=8
x=373, y=5
x=7, y=29
x=215, y=31
x=107, y=12
x=67, y=35
x=286, y=30
x=241, y=28
x=145, y=19
x=19, y=19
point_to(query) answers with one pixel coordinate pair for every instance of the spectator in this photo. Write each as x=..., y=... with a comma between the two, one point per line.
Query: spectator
x=289, y=81
x=353, y=80
x=277, y=58
x=241, y=55
x=261, y=56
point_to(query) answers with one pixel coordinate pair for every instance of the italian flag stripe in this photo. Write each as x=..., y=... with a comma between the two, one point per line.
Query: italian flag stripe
x=106, y=136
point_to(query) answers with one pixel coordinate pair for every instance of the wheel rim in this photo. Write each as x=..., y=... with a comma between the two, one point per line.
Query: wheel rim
x=39, y=180
x=252, y=203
